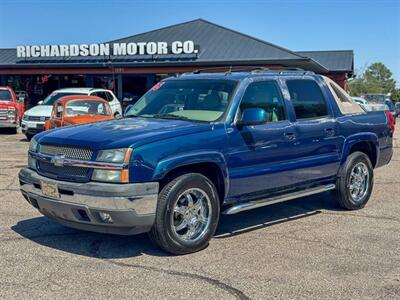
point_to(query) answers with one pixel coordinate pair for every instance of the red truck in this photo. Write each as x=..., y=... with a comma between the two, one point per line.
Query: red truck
x=11, y=109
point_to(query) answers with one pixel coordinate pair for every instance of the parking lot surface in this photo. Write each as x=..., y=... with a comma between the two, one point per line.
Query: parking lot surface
x=304, y=248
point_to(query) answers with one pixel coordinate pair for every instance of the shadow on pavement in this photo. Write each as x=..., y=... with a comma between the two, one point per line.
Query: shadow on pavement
x=48, y=233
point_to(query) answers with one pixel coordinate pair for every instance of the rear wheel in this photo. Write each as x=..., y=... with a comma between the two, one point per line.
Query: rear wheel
x=354, y=186
x=187, y=214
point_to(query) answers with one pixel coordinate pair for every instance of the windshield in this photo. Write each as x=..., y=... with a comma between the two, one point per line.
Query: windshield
x=375, y=98
x=87, y=107
x=5, y=95
x=196, y=100
x=53, y=97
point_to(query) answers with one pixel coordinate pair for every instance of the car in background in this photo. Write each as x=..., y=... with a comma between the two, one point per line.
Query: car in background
x=35, y=118
x=375, y=98
x=74, y=110
x=392, y=108
x=360, y=100
x=397, y=106
x=11, y=109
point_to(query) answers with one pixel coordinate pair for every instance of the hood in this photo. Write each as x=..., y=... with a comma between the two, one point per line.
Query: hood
x=40, y=111
x=7, y=104
x=120, y=133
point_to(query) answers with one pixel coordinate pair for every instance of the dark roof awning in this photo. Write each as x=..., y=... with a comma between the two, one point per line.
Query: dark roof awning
x=216, y=45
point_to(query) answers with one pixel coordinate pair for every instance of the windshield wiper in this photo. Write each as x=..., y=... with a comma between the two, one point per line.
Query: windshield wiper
x=170, y=116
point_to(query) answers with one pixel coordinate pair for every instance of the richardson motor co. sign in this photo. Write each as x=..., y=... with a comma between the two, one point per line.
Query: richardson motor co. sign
x=118, y=49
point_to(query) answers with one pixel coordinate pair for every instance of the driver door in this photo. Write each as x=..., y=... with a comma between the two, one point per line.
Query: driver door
x=258, y=155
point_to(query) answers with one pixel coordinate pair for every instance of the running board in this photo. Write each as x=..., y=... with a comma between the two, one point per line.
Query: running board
x=268, y=201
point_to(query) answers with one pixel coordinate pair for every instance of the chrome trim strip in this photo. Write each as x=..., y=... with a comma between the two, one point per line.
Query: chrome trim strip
x=67, y=162
x=268, y=201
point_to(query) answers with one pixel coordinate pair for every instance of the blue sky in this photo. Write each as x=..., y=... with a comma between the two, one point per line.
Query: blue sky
x=370, y=28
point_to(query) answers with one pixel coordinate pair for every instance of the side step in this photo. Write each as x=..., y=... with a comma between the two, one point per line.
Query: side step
x=268, y=201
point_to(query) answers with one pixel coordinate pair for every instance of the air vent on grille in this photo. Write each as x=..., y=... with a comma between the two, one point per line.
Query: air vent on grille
x=68, y=172
x=69, y=152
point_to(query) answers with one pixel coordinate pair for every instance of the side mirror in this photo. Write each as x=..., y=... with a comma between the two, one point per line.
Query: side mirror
x=253, y=116
x=127, y=108
x=40, y=102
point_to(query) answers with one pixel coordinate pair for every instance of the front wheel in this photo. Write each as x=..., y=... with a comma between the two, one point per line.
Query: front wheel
x=354, y=186
x=187, y=214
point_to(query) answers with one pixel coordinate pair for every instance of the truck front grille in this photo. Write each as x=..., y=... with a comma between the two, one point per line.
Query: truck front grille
x=68, y=173
x=3, y=114
x=69, y=152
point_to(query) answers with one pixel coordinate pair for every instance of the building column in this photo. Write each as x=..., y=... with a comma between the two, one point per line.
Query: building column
x=119, y=86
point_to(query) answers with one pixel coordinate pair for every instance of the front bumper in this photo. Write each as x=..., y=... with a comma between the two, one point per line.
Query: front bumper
x=132, y=207
x=31, y=127
x=8, y=124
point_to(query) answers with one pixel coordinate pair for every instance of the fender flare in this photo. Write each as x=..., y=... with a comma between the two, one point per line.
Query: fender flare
x=170, y=163
x=353, y=139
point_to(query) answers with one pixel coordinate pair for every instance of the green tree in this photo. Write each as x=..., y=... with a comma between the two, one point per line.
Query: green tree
x=377, y=79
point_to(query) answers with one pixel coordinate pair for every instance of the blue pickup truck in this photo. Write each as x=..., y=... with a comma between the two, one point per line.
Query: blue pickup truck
x=201, y=144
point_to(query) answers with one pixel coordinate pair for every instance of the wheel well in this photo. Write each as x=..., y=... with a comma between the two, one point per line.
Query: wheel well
x=209, y=170
x=366, y=147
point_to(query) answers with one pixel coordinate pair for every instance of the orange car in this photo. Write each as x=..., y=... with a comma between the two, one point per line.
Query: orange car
x=79, y=109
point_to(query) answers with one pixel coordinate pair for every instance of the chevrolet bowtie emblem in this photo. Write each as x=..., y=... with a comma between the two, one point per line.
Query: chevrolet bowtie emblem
x=58, y=160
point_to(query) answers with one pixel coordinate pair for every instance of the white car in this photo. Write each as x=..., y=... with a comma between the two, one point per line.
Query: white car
x=360, y=100
x=34, y=118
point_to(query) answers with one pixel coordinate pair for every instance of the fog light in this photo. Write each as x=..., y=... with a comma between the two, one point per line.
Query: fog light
x=106, y=217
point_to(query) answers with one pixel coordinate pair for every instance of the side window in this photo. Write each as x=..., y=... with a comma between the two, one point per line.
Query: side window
x=109, y=96
x=265, y=95
x=59, y=111
x=102, y=95
x=307, y=99
x=341, y=96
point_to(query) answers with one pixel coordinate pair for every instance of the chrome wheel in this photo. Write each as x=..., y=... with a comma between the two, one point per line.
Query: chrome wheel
x=191, y=217
x=359, y=182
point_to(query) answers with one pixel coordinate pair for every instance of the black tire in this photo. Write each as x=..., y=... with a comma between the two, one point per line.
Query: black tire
x=162, y=232
x=342, y=191
x=14, y=130
x=29, y=136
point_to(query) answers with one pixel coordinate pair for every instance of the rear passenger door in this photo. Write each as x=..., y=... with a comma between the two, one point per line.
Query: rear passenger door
x=316, y=132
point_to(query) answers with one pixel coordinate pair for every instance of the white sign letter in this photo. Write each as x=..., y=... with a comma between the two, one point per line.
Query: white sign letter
x=20, y=51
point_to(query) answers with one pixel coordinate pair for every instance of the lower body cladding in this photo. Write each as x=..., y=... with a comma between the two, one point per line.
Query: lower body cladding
x=100, y=207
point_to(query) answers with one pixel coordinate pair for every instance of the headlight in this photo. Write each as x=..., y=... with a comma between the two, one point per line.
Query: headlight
x=33, y=145
x=114, y=155
x=11, y=113
x=31, y=162
x=25, y=117
x=108, y=175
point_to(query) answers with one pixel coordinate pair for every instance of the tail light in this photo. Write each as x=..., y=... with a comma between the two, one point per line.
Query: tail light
x=391, y=119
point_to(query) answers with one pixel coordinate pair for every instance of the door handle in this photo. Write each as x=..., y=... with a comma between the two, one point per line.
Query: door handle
x=290, y=136
x=329, y=132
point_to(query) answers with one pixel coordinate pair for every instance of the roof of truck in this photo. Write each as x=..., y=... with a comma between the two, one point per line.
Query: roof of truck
x=240, y=75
